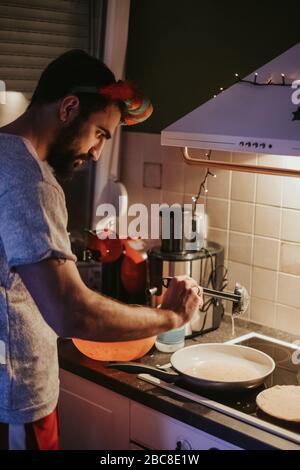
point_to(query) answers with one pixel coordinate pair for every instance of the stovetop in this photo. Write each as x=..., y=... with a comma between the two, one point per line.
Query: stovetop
x=242, y=405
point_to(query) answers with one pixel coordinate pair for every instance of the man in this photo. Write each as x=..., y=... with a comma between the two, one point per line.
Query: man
x=75, y=108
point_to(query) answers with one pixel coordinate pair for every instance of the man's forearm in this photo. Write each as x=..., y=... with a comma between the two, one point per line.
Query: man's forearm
x=100, y=318
x=71, y=309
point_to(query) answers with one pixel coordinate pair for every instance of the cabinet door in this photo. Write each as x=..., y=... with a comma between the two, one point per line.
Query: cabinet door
x=91, y=416
x=157, y=431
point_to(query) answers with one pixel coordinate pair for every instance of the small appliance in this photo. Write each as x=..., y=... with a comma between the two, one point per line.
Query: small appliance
x=205, y=265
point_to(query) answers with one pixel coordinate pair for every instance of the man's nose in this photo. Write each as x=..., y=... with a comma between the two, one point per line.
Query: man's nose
x=96, y=151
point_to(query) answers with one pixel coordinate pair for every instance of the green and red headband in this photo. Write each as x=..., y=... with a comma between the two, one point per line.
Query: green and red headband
x=138, y=107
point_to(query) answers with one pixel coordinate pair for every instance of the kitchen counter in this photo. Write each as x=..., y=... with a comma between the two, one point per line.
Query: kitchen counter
x=213, y=422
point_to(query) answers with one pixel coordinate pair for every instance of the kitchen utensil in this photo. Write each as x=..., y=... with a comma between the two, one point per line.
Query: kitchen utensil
x=206, y=266
x=210, y=356
x=116, y=351
x=110, y=249
x=183, y=250
x=133, y=275
x=133, y=272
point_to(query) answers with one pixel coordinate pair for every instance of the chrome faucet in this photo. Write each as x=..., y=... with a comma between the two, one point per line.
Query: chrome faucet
x=239, y=298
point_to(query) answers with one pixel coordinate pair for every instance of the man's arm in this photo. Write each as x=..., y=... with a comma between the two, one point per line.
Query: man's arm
x=74, y=310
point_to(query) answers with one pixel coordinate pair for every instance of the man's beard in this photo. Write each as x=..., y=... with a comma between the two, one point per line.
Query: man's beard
x=62, y=155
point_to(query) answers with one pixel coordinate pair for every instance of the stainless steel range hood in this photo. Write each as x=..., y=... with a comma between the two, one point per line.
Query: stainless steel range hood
x=245, y=117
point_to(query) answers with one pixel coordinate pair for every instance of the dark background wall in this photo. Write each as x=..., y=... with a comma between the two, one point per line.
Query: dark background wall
x=181, y=52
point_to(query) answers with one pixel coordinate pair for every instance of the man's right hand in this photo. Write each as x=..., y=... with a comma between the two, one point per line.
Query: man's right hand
x=184, y=296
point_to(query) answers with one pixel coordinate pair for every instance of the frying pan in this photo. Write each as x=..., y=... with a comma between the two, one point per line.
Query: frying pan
x=234, y=357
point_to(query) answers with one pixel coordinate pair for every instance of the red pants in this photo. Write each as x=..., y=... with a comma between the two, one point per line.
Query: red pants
x=40, y=435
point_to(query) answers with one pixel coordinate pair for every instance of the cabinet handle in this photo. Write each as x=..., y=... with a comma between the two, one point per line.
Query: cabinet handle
x=267, y=170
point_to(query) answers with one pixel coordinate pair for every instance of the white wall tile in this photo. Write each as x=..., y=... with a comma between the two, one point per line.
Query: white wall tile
x=200, y=153
x=152, y=175
x=269, y=190
x=170, y=197
x=241, y=273
x=244, y=158
x=243, y=186
x=290, y=230
x=264, y=283
x=193, y=177
x=267, y=221
x=171, y=155
x=152, y=149
x=132, y=161
x=266, y=253
x=152, y=196
x=135, y=195
x=288, y=290
x=240, y=247
x=263, y=312
x=217, y=210
x=291, y=193
x=173, y=177
x=219, y=186
x=187, y=199
x=241, y=217
x=271, y=161
x=290, y=258
x=288, y=319
x=291, y=162
x=219, y=236
x=220, y=155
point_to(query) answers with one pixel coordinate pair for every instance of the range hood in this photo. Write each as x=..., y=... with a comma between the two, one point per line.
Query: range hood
x=245, y=117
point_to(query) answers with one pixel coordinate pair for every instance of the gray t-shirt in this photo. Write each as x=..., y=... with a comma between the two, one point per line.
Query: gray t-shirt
x=33, y=221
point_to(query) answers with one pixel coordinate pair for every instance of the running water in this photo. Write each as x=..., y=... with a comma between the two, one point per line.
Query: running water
x=233, y=325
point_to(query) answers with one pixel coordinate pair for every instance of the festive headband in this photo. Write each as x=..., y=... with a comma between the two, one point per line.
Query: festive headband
x=138, y=107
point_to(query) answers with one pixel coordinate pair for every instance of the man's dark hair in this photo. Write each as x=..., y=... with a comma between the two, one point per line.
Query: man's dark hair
x=71, y=69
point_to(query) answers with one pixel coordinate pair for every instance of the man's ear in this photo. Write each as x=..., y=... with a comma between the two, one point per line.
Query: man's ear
x=69, y=108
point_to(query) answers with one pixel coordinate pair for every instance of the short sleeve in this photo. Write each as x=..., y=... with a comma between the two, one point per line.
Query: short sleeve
x=33, y=223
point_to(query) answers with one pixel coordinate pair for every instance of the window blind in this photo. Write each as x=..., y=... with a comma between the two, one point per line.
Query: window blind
x=34, y=32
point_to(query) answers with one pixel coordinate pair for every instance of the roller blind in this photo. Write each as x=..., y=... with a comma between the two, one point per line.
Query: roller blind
x=34, y=32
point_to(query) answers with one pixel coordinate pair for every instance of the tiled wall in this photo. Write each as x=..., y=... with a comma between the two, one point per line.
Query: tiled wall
x=255, y=217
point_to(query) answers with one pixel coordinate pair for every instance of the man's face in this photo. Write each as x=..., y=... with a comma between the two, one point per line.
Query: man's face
x=82, y=140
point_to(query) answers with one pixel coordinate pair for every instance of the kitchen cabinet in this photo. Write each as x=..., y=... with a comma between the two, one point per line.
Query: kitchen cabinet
x=93, y=417
x=154, y=430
